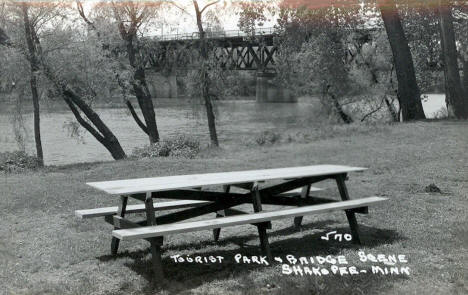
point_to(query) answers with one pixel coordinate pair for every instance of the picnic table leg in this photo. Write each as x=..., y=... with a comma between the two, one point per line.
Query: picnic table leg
x=304, y=194
x=155, y=242
x=340, y=181
x=120, y=212
x=262, y=227
x=221, y=213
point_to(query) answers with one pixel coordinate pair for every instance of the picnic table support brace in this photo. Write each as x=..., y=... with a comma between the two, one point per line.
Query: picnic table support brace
x=220, y=213
x=155, y=242
x=262, y=227
x=304, y=194
x=340, y=181
x=120, y=212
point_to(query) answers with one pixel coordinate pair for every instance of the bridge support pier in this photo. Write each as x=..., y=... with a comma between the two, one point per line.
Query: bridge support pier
x=267, y=91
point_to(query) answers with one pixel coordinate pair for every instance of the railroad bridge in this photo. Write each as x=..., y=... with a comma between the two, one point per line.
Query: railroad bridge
x=234, y=50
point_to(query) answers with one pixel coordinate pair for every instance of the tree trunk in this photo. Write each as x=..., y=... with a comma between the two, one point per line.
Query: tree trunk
x=34, y=68
x=205, y=80
x=100, y=131
x=455, y=97
x=209, y=109
x=465, y=76
x=103, y=134
x=391, y=109
x=408, y=90
x=338, y=108
x=3, y=37
x=37, y=125
x=142, y=92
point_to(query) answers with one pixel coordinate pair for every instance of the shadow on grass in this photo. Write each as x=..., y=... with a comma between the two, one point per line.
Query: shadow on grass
x=332, y=284
x=185, y=276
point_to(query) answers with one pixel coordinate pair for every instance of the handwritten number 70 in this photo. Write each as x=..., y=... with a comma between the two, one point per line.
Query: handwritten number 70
x=335, y=236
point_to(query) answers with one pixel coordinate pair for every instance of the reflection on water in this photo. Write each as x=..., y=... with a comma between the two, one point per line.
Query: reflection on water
x=234, y=120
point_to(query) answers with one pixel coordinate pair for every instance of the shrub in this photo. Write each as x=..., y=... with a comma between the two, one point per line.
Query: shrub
x=17, y=161
x=441, y=113
x=267, y=137
x=180, y=147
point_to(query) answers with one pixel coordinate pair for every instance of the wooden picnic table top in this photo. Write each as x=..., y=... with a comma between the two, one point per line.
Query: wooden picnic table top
x=167, y=183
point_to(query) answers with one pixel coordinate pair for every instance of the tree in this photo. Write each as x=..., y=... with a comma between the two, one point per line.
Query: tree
x=460, y=22
x=77, y=103
x=312, y=53
x=205, y=82
x=420, y=23
x=253, y=15
x=30, y=23
x=203, y=72
x=30, y=34
x=129, y=17
x=456, y=98
x=409, y=94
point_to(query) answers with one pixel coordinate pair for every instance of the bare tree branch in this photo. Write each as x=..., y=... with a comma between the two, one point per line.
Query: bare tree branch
x=375, y=110
x=173, y=3
x=83, y=16
x=208, y=5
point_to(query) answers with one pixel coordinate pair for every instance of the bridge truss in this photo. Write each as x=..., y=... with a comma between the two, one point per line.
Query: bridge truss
x=232, y=51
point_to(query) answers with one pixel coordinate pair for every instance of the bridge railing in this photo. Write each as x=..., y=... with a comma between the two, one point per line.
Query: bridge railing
x=216, y=34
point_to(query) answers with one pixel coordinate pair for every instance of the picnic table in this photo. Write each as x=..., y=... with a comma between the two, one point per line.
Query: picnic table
x=292, y=187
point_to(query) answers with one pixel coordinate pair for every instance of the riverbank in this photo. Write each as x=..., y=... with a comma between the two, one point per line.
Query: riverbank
x=45, y=250
x=237, y=122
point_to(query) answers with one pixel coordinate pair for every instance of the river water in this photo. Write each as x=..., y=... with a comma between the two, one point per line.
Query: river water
x=235, y=120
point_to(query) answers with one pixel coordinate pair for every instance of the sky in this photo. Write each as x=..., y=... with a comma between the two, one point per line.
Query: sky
x=178, y=22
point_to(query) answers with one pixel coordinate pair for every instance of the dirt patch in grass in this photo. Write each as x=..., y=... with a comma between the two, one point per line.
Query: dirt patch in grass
x=45, y=250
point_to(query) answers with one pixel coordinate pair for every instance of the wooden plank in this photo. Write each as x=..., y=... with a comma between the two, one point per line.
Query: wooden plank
x=121, y=210
x=246, y=186
x=220, y=213
x=198, y=211
x=340, y=181
x=298, y=191
x=97, y=212
x=262, y=227
x=288, y=201
x=156, y=254
x=121, y=222
x=305, y=192
x=277, y=189
x=155, y=184
x=163, y=230
x=188, y=194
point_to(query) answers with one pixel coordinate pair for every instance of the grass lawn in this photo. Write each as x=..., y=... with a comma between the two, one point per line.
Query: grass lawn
x=44, y=249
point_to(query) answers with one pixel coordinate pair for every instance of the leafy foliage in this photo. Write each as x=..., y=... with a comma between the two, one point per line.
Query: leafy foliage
x=17, y=161
x=180, y=147
x=268, y=138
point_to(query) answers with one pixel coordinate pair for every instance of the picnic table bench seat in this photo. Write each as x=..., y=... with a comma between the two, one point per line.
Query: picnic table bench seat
x=138, y=208
x=159, y=206
x=252, y=218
